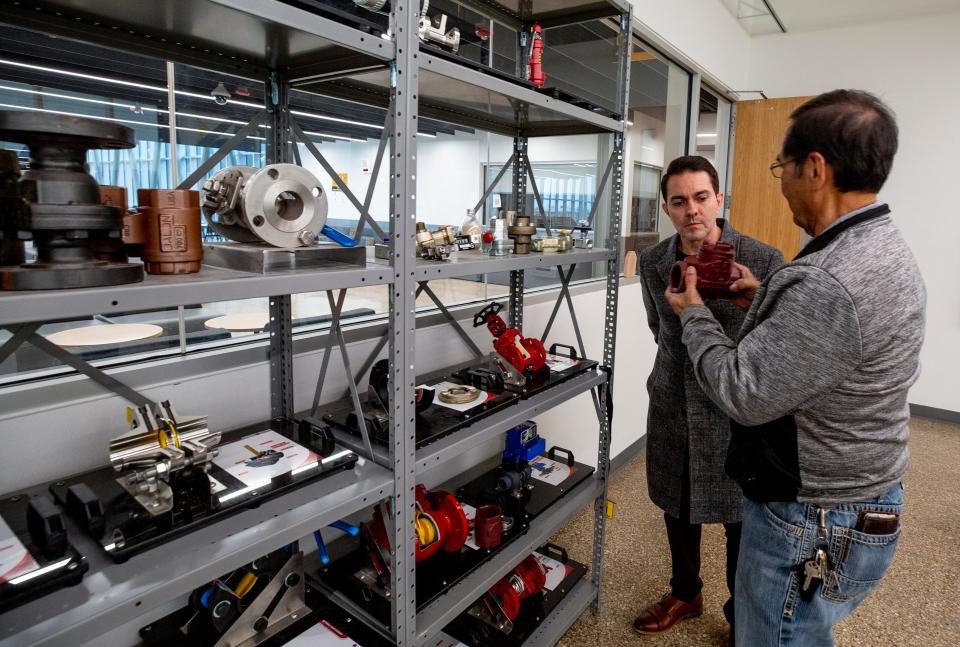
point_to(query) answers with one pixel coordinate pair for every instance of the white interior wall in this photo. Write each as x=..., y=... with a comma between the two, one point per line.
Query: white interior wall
x=910, y=64
x=704, y=32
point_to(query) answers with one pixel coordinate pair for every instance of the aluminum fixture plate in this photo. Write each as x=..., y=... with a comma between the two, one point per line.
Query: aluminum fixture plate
x=208, y=285
x=468, y=263
x=245, y=37
x=462, y=440
x=433, y=618
x=112, y=595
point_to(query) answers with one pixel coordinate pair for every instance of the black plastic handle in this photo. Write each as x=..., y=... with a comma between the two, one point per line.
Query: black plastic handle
x=554, y=551
x=572, y=354
x=552, y=455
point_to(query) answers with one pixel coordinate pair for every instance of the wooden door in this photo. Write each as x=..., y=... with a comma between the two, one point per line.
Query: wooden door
x=757, y=207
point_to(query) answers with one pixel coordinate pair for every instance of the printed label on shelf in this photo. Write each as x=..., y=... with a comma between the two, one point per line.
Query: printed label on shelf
x=556, y=571
x=322, y=634
x=550, y=471
x=257, y=459
x=471, y=513
x=15, y=560
x=559, y=363
x=466, y=406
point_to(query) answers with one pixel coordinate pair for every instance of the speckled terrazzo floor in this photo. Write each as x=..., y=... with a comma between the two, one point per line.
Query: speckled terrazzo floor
x=918, y=602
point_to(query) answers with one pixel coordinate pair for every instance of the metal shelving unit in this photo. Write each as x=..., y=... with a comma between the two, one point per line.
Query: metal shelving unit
x=111, y=595
x=291, y=47
x=471, y=436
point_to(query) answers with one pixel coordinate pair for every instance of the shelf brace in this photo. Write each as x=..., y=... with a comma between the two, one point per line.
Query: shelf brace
x=452, y=320
x=489, y=189
x=364, y=216
x=374, y=175
x=20, y=335
x=600, y=187
x=565, y=295
x=536, y=194
x=336, y=333
x=27, y=333
x=372, y=357
x=224, y=150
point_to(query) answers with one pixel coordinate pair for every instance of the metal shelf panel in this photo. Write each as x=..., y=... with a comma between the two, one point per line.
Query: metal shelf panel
x=208, y=285
x=468, y=263
x=448, y=447
x=563, y=616
x=432, y=619
x=112, y=595
x=247, y=37
x=460, y=95
x=449, y=82
x=465, y=439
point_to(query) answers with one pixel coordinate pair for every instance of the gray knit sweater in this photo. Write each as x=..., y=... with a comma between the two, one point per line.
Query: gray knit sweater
x=817, y=384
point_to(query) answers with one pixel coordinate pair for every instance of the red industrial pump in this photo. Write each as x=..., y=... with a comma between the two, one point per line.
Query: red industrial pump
x=525, y=354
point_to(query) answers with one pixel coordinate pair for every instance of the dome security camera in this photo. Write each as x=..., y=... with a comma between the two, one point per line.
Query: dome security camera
x=220, y=94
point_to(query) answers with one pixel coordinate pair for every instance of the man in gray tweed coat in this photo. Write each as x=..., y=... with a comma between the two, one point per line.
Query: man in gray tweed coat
x=687, y=435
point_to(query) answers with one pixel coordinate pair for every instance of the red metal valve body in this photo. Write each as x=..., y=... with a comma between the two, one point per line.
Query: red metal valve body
x=715, y=271
x=537, y=77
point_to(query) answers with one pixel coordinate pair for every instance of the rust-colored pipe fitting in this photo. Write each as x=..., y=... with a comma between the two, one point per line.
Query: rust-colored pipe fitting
x=173, y=243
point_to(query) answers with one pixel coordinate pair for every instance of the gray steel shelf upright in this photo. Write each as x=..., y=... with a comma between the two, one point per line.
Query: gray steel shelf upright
x=274, y=42
x=461, y=95
x=287, y=47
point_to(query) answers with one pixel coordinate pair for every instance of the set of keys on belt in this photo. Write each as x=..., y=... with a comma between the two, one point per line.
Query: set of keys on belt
x=814, y=570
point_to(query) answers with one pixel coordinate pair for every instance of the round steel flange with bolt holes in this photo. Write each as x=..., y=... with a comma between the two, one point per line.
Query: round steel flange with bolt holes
x=284, y=204
x=459, y=394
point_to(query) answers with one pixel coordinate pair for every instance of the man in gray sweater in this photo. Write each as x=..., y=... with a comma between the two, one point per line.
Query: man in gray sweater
x=816, y=381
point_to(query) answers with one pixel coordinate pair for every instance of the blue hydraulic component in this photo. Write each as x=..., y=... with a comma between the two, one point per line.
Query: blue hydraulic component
x=321, y=548
x=350, y=529
x=337, y=237
x=523, y=443
x=342, y=526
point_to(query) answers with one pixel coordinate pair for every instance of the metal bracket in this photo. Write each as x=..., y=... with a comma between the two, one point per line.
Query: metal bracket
x=539, y=200
x=336, y=333
x=364, y=211
x=27, y=333
x=224, y=150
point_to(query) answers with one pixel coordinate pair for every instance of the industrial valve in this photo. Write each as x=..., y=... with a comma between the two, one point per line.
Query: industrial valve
x=525, y=354
x=535, y=64
x=434, y=30
x=283, y=205
x=439, y=522
x=715, y=271
x=521, y=231
x=161, y=448
x=501, y=605
x=562, y=242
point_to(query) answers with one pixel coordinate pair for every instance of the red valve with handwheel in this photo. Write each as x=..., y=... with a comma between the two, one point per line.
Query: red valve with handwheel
x=526, y=354
x=526, y=579
x=537, y=77
x=439, y=522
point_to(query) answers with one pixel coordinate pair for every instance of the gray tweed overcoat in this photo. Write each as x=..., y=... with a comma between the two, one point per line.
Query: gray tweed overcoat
x=681, y=420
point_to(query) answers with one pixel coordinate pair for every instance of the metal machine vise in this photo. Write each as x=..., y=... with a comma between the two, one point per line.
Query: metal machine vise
x=162, y=449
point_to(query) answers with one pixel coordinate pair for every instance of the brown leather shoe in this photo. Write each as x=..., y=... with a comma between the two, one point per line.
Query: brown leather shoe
x=661, y=616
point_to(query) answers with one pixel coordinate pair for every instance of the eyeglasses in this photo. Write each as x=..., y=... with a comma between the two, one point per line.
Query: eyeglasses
x=776, y=167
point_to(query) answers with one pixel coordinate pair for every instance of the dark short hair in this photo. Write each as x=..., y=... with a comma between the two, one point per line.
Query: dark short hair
x=690, y=164
x=854, y=131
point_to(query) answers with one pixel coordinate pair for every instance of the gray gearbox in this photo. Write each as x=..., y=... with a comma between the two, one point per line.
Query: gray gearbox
x=281, y=204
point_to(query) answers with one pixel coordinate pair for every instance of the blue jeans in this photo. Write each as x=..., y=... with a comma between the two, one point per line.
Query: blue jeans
x=777, y=536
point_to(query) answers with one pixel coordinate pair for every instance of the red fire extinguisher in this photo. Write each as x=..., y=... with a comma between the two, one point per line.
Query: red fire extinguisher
x=536, y=76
